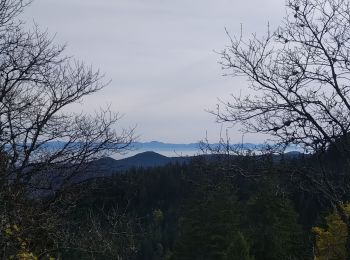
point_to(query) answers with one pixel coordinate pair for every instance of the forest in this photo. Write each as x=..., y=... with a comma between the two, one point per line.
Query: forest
x=228, y=202
x=207, y=210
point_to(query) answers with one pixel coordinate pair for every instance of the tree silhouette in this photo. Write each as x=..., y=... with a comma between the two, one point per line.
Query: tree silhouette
x=42, y=145
x=300, y=76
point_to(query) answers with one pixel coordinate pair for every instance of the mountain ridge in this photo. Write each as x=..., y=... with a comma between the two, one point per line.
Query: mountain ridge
x=107, y=166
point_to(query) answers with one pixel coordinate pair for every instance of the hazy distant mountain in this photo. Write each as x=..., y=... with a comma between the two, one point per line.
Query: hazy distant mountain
x=174, y=149
x=160, y=146
x=155, y=145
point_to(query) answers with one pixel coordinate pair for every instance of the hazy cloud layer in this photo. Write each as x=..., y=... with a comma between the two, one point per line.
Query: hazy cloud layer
x=158, y=54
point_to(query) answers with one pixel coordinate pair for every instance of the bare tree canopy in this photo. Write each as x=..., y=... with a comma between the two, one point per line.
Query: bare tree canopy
x=37, y=83
x=300, y=78
x=300, y=75
x=40, y=141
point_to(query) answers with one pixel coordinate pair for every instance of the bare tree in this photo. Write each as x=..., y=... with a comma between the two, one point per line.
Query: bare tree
x=299, y=76
x=110, y=233
x=39, y=140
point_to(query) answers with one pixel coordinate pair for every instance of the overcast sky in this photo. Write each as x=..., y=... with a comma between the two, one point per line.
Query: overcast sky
x=158, y=55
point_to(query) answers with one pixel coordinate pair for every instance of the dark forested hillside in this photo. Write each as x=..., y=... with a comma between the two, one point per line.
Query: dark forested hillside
x=198, y=210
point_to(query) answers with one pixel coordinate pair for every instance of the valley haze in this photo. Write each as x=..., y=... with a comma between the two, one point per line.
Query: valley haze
x=183, y=149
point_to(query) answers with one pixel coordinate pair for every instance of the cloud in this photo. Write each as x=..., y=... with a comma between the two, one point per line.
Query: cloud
x=158, y=53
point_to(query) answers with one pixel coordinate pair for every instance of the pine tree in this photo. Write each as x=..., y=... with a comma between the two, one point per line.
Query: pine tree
x=331, y=241
x=272, y=226
x=208, y=228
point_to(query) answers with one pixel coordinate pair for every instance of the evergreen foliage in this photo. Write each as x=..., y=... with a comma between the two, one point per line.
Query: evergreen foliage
x=198, y=211
x=209, y=225
x=271, y=223
x=331, y=241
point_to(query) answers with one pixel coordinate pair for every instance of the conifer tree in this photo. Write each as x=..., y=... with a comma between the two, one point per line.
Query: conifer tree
x=331, y=241
x=208, y=226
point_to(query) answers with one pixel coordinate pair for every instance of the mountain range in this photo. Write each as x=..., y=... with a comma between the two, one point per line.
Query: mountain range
x=156, y=145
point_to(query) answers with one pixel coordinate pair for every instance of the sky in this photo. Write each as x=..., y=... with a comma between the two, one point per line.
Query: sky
x=159, y=56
